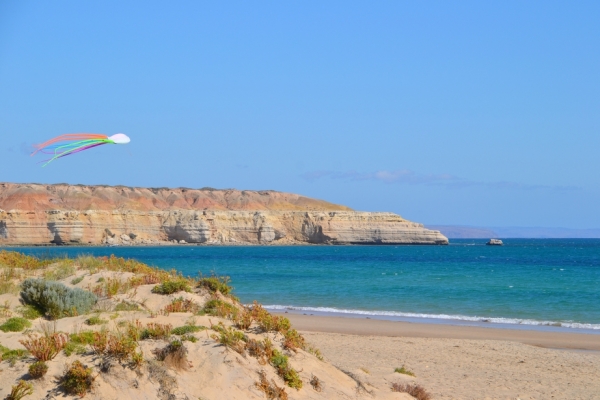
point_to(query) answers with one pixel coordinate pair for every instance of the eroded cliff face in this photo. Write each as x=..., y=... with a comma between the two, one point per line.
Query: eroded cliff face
x=64, y=214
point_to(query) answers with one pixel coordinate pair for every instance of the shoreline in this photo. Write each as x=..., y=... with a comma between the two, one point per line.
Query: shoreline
x=376, y=327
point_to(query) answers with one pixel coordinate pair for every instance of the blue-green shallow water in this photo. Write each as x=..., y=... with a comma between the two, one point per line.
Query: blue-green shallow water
x=530, y=282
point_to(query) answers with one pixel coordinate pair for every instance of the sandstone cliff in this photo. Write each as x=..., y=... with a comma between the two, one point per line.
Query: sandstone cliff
x=75, y=214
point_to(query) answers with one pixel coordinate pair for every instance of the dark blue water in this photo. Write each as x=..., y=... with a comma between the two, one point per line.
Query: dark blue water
x=535, y=281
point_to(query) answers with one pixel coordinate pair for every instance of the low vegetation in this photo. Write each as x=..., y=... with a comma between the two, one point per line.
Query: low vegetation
x=11, y=356
x=30, y=312
x=178, y=284
x=15, y=324
x=20, y=390
x=403, y=370
x=119, y=341
x=285, y=371
x=416, y=391
x=95, y=320
x=187, y=329
x=46, y=347
x=55, y=299
x=77, y=379
x=38, y=369
x=270, y=389
x=180, y=305
x=174, y=355
x=316, y=383
x=126, y=306
x=216, y=284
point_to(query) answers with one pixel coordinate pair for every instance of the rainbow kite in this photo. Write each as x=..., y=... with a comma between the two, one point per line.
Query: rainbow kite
x=76, y=142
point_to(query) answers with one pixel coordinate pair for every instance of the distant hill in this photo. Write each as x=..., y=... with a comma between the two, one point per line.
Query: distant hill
x=473, y=232
x=464, y=232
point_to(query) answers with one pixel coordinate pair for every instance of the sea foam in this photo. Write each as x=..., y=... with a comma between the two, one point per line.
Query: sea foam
x=447, y=317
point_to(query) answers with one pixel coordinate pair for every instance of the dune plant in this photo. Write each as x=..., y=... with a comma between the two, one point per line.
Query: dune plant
x=215, y=284
x=156, y=331
x=15, y=324
x=29, y=312
x=180, y=304
x=187, y=329
x=403, y=370
x=15, y=259
x=270, y=389
x=243, y=319
x=95, y=320
x=46, y=347
x=12, y=355
x=78, y=379
x=62, y=271
x=293, y=340
x=174, y=355
x=416, y=391
x=20, y=390
x=285, y=371
x=262, y=350
x=77, y=280
x=173, y=285
x=220, y=308
x=230, y=337
x=315, y=382
x=38, y=369
x=126, y=306
x=55, y=299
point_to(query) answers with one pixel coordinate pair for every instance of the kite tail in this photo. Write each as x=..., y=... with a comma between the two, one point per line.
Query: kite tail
x=69, y=137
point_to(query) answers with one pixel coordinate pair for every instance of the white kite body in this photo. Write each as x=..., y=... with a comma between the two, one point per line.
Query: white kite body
x=120, y=138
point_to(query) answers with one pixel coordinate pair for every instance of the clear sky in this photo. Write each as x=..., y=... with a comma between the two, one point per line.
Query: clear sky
x=472, y=113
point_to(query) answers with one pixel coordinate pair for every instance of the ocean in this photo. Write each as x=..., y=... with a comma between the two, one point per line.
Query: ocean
x=527, y=283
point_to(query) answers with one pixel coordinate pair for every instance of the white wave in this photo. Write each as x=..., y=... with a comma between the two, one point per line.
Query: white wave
x=497, y=320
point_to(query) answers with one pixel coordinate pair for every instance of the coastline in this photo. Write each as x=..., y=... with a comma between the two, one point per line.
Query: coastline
x=385, y=328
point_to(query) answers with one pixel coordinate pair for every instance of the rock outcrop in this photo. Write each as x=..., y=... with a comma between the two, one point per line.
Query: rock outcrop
x=74, y=214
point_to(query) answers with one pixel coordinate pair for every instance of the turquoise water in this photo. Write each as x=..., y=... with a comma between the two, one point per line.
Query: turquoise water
x=531, y=282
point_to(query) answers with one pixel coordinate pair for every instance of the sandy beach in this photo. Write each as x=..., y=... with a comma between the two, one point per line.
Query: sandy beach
x=461, y=362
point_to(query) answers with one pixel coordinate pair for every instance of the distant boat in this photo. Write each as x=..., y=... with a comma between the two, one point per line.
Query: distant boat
x=113, y=245
x=495, y=242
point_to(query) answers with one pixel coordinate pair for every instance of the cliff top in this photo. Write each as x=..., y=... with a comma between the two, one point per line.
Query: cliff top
x=39, y=197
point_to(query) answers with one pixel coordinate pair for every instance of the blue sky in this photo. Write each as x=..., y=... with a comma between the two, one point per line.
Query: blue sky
x=470, y=113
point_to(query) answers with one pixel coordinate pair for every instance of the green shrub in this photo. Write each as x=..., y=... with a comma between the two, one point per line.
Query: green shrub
x=15, y=324
x=95, y=320
x=20, y=390
x=75, y=348
x=12, y=356
x=8, y=287
x=189, y=338
x=30, y=312
x=56, y=299
x=184, y=330
x=125, y=306
x=78, y=379
x=90, y=263
x=172, y=286
x=219, y=308
x=404, y=371
x=76, y=280
x=63, y=271
x=83, y=337
x=230, y=337
x=216, y=283
x=289, y=374
x=156, y=331
x=46, y=347
x=38, y=369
